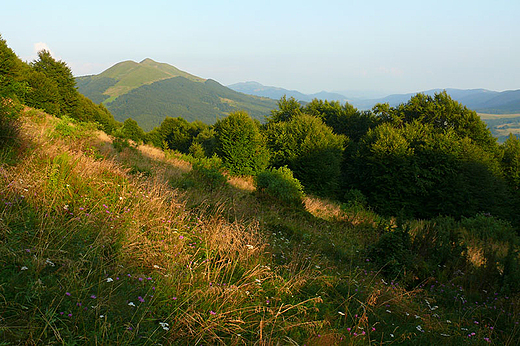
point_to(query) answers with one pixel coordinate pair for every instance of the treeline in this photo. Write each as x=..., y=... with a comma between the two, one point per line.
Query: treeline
x=428, y=157
x=45, y=84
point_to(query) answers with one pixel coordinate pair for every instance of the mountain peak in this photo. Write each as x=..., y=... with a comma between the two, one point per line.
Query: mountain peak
x=148, y=61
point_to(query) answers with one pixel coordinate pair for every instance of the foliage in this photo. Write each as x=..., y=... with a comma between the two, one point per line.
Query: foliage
x=131, y=130
x=240, y=144
x=191, y=100
x=310, y=149
x=344, y=120
x=207, y=173
x=280, y=184
x=12, y=90
x=287, y=109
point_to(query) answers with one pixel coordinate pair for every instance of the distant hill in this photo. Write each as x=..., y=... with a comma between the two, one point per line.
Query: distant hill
x=150, y=91
x=257, y=89
x=480, y=100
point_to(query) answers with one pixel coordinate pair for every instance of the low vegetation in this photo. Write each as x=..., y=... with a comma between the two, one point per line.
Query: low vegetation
x=107, y=240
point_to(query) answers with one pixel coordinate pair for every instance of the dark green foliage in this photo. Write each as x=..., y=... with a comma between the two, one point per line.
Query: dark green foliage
x=443, y=114
x=280, y=184
x=175, y=134
x=511, y=161
x=131, y=130
x=287, y=109
x=12, y=90
x=392, y=253
x=61, y=75
x=181, y=97
x=93, y=87
x=416, y=170
x=240, y=144
x=208, y=172
x=344, y=120
x=43, y=93
x=310, y=149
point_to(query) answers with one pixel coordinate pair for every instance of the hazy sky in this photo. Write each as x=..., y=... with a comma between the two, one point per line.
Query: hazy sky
x=384, y=45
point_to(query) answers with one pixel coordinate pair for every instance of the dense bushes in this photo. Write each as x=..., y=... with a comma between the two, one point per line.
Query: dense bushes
x=310, y=149
x=240, y=144
x=280, y=184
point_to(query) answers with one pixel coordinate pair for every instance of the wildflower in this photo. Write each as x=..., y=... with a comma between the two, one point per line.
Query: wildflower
x=419, y=328
x=446, y=335
x=212, y=312
x=101, y=316
x=341, y=313
x=181, y=237
x=140, y=299
x=164, y=325
x=66, y=207
x=67, y=294
x=70, y=315
x=110, y=279
x=24, y=268
x=389, y=311
x=392, y=335
x=131, y=304
x=93, y=297
x=48, y=261
x=250, y=247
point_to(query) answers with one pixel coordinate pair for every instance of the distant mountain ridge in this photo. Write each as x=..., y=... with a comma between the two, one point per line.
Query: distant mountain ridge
x=149, y=91
x=255, y=88
x=480, y=100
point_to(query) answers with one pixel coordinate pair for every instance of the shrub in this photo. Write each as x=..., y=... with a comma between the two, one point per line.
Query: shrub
x=206, y=173
x=280, y=184
x=240, y=144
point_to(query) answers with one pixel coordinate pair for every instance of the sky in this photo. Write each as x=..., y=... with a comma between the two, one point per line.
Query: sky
x=365, y=46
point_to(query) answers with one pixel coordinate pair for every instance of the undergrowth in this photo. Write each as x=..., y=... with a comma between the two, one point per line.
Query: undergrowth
x=117, y=244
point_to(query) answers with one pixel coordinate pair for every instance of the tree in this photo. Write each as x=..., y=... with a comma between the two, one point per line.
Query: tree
x=60, y=73
x=240, y=144
x=287, y=109
x=310, y=149
x=131, y=130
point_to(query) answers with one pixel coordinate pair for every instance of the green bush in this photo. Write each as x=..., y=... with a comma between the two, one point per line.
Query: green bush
x=280, y=184
x=240, y=144
x=205, y=173
x=310, y=149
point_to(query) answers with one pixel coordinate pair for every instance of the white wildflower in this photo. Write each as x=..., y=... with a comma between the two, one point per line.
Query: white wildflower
x=66, y=207
x=24, y=268
x=48, y=261
x=419, y=328
x=164, y=325
x=110, y=279
x=448, y=321
x=131, y=304
x=444, y=335
x=392, y=335
x=341, y=313
x=250, y=247
x=389, y=311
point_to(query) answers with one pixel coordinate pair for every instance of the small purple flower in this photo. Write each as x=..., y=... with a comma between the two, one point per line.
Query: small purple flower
x=93, y=297
x=212, y=312
x=67, y=294
x=140, y=299
x=70, y=315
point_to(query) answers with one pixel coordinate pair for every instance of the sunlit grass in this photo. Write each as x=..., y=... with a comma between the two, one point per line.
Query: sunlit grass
x=92, y=250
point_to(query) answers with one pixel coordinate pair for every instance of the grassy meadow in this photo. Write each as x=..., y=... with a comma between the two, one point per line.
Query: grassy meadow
x=105, y=242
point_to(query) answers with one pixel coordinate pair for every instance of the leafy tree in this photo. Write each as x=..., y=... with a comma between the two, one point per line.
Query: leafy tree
x=310, y=149
x=287, y=109
x=60, y=73
x=131, y=130
x=443, y=113
x=511, y=161
x=240, y=144
x=344, y=120
x=12, y=90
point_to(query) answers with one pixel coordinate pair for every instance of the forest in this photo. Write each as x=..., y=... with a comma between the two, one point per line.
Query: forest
x=424, y=185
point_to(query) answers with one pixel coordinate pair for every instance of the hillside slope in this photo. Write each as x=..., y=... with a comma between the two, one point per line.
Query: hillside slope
x=129, y=245
x=150, y=91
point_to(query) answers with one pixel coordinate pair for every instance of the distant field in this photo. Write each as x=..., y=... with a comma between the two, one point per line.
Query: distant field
x=501, y=125
x=486, y=116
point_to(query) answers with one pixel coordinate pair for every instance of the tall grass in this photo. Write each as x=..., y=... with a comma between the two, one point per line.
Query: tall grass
x=94, y=251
